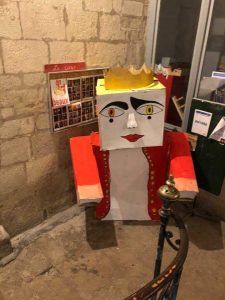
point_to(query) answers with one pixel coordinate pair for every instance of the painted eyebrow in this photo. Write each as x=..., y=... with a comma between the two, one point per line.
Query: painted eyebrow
x=135, y=102
x=120, y=104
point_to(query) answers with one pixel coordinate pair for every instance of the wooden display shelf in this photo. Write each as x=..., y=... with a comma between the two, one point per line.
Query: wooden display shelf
x=180, y=105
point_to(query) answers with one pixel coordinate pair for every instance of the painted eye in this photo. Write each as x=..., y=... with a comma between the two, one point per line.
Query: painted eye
x=149, y=109
x=111, y=112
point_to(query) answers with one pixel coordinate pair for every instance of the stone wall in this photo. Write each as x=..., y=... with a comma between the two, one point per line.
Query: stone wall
x=36, y=177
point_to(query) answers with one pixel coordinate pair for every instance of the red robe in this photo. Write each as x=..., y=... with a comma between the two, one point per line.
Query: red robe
x=92, y=173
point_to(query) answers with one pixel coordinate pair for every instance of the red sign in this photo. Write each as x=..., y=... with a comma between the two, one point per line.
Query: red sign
x=64, y=67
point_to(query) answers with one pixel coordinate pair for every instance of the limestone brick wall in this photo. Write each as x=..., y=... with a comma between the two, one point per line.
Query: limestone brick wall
x=35, y=168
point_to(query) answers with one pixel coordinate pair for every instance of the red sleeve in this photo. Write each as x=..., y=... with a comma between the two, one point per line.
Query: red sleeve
x=86, y=176
x=181, y=164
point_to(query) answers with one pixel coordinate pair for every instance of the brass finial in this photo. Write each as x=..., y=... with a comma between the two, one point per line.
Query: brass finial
x=168, y=191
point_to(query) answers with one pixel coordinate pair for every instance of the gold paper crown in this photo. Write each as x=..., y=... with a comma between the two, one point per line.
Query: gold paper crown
x=120, y=78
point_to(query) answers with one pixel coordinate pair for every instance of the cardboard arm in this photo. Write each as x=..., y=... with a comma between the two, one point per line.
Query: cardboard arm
x=181, y=165
x=86, y=176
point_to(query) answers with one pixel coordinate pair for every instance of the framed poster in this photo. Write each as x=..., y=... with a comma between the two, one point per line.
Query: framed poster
x=72, y=98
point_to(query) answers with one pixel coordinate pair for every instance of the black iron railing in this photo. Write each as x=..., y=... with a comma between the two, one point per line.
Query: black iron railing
x=165, y=284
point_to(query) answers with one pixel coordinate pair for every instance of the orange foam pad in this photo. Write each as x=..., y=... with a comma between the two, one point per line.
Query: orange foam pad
x=83, y=160
x=181, y=164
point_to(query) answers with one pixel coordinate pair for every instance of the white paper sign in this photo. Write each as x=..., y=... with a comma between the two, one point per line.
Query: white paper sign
x=218, y=133
x=59, y=92
x=201, y=122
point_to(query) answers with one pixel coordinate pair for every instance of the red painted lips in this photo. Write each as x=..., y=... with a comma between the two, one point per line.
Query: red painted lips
x=132, y=137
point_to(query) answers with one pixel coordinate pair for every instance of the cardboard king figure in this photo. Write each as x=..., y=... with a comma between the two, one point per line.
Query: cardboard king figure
x=121, y=167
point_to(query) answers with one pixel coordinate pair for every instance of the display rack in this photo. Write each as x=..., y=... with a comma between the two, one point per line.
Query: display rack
x=81, y=107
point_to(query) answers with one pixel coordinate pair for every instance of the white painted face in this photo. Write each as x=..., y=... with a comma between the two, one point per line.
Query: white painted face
x=131, y=120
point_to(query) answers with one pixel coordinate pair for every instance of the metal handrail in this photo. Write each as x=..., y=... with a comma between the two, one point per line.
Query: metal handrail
x=164, y=286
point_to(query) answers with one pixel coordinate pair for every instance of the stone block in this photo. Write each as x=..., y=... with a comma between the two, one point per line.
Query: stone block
x=106, y=54
x=15, y=151
x=9, y=21
x=130, y=23
x=145, y=10
x=134, y=35
x=57, y=184
x=110, y=28
x=12, y=128
x=11, y=178
x=117, y=6
x=31, y=100
x=61, y=52
x=22, y=192
x=64, y=157
x=42, y=121
x=70, y=3
x=42, y=20
x=43, y=143
x=7, y=113
x=61, y=204
x=34, y=79
x=136, y=54
x=18, y=215
x=37, y=169
x=4, y=102
x=100, y=5
x=132, y=8
x=7, y=97
x=5, y=244
x=40, y=108
x=1, y=66
x=137, y=35
x=81, y=25
x=9, y=82
x=24, y=56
